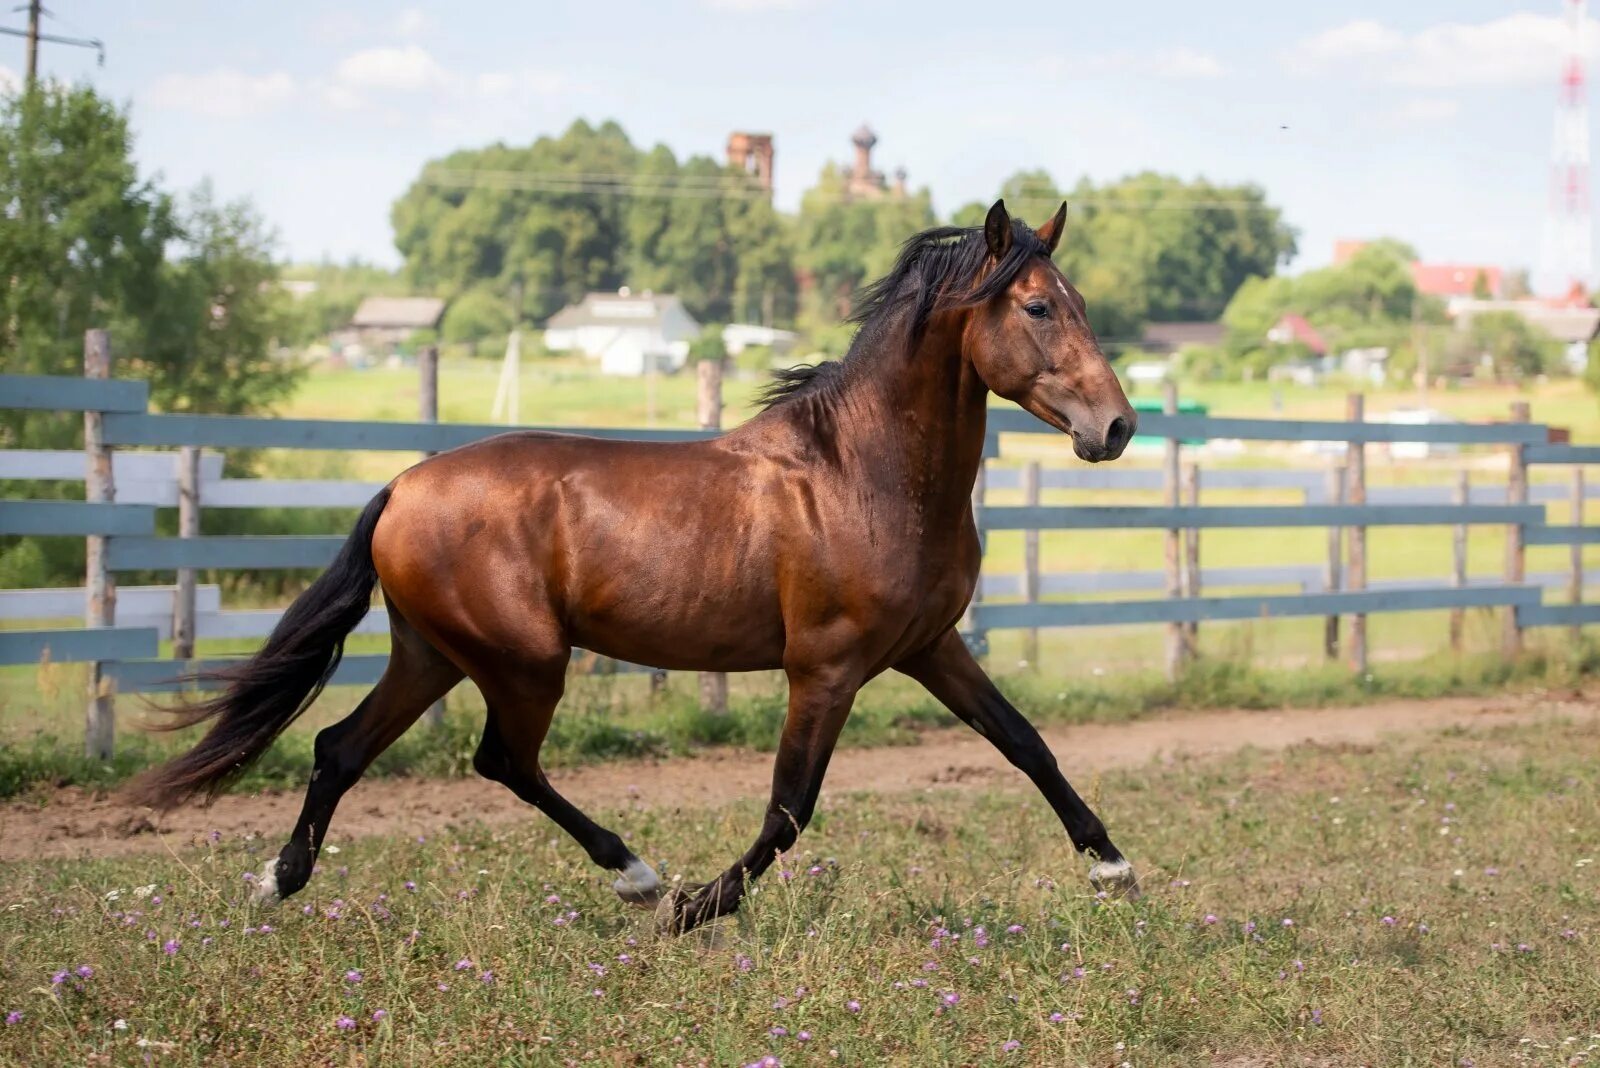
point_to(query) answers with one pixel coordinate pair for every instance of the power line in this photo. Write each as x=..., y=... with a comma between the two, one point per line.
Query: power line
x=35, y=9
x=739, y=187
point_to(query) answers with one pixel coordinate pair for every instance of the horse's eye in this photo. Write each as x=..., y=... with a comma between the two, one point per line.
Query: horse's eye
x=1038, y=309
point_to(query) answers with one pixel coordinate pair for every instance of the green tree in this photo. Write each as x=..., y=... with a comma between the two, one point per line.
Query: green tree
x=476, y=315
x=189, y=294
x=843, y=242
x=586, y=211
x=1152, y=246
x=1370, y=300
x=1515, y=348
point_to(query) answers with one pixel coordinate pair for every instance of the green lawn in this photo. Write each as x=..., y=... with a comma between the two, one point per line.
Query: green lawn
x=1428, y=901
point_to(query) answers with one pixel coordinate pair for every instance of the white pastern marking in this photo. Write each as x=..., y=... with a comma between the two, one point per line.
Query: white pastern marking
x=1116, y=872
x=638, y=880
x=267, y=884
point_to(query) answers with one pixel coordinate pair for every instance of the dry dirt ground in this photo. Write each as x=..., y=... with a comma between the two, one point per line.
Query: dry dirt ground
x=73, y=823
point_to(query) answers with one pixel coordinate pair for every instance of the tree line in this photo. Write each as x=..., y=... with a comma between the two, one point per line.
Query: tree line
x=514, y=234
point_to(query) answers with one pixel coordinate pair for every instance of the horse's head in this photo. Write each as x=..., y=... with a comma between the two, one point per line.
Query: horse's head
x=1031, y=343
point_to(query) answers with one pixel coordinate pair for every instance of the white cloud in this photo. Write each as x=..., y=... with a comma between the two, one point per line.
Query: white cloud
x=411, y=22
x=1517, y=49
x=402, y=69
x=529, y=80
x=222, y=93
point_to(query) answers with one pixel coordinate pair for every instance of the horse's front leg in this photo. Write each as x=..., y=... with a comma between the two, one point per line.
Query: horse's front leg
x=819, y=702
x=949, y=672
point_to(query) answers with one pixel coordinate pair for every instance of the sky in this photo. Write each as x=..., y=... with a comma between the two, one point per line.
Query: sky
x=1430, y=121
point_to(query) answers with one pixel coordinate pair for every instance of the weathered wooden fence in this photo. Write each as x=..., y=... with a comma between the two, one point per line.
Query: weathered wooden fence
x=124, y=489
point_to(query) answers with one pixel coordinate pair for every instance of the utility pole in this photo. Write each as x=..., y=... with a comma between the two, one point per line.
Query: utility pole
x=33, y=35
x=32, y=78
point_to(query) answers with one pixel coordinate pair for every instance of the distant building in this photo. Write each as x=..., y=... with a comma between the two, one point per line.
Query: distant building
x=752, y=153
x=1295, y=330
x=736, y=337
x=382, y=324
x=1442, y=280
x=1163, y=338
x=1447, y=280
x=1571, y=320
x=628, y=334
x=861, y=181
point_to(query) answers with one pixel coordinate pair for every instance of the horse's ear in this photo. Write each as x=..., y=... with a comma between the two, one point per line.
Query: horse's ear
x=997, y=230
x=1050, y=232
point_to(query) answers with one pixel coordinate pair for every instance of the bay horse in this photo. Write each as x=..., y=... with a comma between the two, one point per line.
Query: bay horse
x=831, y=536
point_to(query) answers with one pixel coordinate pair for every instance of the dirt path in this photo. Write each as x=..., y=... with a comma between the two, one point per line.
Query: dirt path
x=76, y=824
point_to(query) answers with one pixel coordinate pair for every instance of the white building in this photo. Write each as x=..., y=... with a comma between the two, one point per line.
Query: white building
x=1571, y=321
x=736, y=337
x=628, y=334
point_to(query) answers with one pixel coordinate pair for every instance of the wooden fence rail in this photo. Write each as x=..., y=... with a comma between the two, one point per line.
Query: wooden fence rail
x=131, y=485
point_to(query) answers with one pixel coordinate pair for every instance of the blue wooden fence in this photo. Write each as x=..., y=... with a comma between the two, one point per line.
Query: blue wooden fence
x=127, y=653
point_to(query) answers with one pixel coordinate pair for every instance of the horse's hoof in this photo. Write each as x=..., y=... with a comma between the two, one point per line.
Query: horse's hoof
x=639, y=885
x=1115, y=879
x=266, y=892
x=671, y=918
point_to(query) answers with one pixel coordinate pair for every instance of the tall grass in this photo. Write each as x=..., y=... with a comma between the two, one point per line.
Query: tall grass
x=1431, y=901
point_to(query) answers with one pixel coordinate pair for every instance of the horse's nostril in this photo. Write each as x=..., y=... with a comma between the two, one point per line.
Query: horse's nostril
x=1117, y=433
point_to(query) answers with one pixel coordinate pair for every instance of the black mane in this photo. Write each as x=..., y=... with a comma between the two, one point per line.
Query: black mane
x=937, y=270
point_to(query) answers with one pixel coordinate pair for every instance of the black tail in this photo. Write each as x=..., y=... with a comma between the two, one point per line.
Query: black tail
x=263, y=695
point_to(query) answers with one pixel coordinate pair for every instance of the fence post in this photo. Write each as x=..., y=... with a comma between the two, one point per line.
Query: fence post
x=183, y=605
x=1516, y=552
x=1030, y=561
x=708, y=413
x=977, y=640
x=1333, y=572
x=1458, y=616
x=1191, y=559
x=1575, y=582
x=428, y=412
x=99, y=727
x=1169, y=485
x=1356, y=495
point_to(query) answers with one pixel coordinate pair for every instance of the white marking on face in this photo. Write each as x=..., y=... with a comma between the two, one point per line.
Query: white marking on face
x=638, y=880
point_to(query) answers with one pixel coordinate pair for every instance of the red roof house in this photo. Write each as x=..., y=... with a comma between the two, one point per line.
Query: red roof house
x=1292, y=329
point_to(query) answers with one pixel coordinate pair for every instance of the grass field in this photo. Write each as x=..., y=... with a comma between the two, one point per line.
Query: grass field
x=1429, y=901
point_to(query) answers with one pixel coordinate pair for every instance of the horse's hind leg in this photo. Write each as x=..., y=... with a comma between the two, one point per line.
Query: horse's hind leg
x=520, y=710
x=417, y=675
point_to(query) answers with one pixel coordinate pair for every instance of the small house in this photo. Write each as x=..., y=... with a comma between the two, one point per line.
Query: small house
x=382, y=324
x=628, y=334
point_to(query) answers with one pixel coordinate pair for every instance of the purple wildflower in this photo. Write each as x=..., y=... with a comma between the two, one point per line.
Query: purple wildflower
x=1015, y=928
x=464, y=965
x=777, y=1031
x=409, y=885
x=13, y=1017
x=486, y=978
x=85, y=972
x=852, y=1006
x=1209, y=919
x=379, y=1014
x=170, y=947
x=1287, y=922
x=1011, y=1045
x=344, y=1023
x=1388, y=921
x=803, y=1036
x=59, y=978
x=950, y=998
x=352, y=976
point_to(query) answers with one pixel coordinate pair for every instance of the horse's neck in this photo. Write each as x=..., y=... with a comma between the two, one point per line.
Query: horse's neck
x=926, y=407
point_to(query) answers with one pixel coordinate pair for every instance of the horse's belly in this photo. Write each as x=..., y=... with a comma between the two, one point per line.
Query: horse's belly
x=681, y=615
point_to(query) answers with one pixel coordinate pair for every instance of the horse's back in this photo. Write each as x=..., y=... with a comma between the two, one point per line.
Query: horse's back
x=656, y=553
